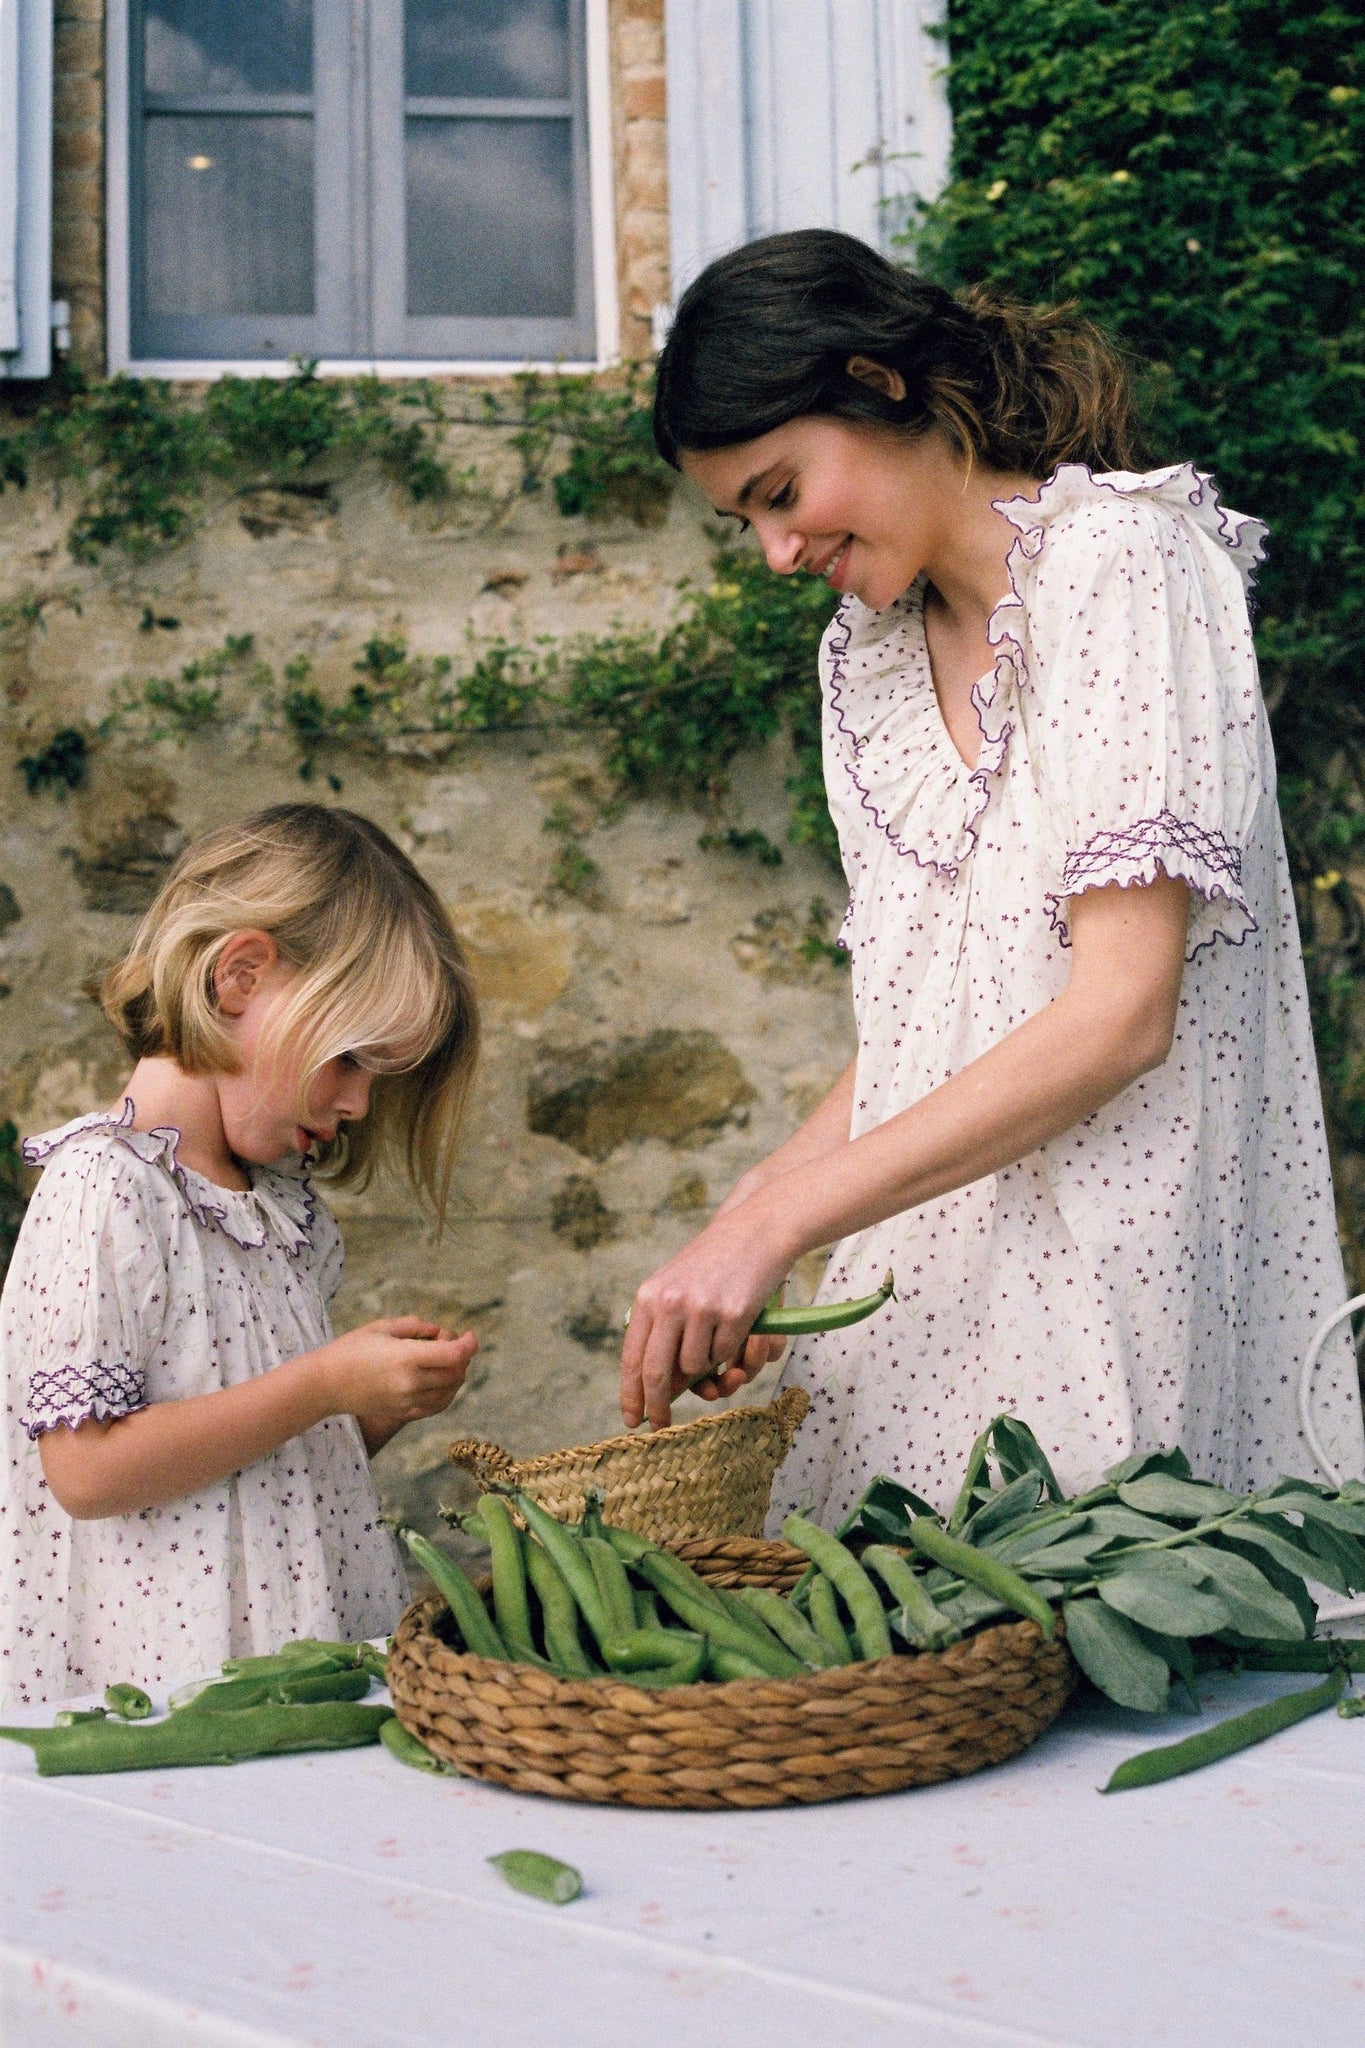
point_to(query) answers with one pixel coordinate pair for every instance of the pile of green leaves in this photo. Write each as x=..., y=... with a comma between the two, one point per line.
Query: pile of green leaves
x=1151, y=1566
x=1190, y=174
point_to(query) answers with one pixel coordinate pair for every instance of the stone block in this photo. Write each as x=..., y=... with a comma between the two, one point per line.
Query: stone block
x=681, y=1086
x=78, y=46
x=645, y=98
x=76, y=151
x=78, y=99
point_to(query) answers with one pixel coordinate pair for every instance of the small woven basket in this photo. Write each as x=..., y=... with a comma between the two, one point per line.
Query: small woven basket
x=861, y=1728
x=711, y=1477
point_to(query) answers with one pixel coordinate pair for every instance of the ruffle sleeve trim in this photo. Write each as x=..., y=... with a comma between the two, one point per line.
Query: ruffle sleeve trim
x=1176, y=847
x=280, y=1199
x=72, y=1393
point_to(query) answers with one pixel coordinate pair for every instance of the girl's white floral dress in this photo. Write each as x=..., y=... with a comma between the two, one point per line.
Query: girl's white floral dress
x=1153, y=1276
x=136, y=1280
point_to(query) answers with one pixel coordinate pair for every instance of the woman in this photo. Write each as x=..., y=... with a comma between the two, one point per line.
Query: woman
x=1083, y=1124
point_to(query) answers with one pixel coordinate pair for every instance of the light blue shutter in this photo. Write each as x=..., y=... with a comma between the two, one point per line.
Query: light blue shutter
x=799, y=113
x=25, y=188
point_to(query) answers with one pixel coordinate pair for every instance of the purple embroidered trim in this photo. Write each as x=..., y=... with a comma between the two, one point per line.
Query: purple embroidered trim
x=1163, y=834
x=1136, y=852
x=158, y=1148
x=1239, y=532
x=72, y=1393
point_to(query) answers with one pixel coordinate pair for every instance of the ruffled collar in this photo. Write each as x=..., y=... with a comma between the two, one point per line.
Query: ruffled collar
x=897, y=752
x=279, y=1202
x=899, y=759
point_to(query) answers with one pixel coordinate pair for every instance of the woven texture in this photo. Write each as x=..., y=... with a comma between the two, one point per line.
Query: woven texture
x=711, y=1477
x=752, y=1742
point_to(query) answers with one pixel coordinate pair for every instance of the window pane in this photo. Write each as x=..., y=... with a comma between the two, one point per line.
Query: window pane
x=224, y=46
x=487, y=49
x=228, y=226
x=490, y=218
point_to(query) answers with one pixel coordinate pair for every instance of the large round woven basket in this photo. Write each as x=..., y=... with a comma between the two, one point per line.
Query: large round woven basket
x=862, y=1728
x=710, y=1477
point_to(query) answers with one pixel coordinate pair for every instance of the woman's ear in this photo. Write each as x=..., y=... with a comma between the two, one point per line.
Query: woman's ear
x=879, y=376
x=241, y=968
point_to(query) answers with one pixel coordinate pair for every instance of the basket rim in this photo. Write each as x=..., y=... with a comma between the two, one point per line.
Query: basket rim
x=636, y=1440
x=912, y=1669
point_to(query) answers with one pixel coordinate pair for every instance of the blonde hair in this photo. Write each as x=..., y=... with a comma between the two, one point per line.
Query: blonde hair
x=378, y=973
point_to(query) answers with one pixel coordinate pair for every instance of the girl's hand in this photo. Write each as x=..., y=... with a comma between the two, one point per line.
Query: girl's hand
x=695, y=1313
x=393, y=1372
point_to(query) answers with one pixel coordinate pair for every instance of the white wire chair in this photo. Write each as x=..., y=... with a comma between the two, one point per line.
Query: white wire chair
x=1330, y=1609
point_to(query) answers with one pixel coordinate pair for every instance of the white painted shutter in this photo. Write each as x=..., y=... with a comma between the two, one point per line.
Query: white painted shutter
x=25, y=187
x=799, y=113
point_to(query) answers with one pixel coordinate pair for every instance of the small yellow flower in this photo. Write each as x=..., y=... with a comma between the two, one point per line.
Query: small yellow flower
x=997, y=190
x=1193, y=246
x=1122, y=177
x=1340, y=94
x=724, y=590
x=1331, y=880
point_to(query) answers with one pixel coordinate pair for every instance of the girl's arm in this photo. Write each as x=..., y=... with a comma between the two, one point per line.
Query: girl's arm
x=1114, y=1022
x=386, y=1374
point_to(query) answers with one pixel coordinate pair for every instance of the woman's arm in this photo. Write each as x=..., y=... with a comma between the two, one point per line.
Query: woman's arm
x=1114, y=1022
x=387, y=1373
x=825, y=1130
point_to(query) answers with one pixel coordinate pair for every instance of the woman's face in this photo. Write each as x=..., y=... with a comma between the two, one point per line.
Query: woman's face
x=862, y=507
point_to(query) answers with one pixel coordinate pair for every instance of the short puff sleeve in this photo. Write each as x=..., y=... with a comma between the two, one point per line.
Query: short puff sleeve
x=87, y=1297
x=1144, y=710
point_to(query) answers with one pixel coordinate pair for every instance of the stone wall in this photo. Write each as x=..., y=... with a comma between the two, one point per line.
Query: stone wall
x=647, y=1038
x=639, y=147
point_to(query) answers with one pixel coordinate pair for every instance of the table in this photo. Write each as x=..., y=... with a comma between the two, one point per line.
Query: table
x=343, y=1900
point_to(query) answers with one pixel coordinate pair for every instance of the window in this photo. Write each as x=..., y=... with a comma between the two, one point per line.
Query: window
x=401, y=179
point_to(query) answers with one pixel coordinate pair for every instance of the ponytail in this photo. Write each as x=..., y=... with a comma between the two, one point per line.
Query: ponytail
x=765, y=335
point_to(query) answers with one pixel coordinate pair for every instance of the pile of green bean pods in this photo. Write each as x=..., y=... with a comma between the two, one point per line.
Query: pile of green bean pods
x=585, y=1600
x=307, y=1695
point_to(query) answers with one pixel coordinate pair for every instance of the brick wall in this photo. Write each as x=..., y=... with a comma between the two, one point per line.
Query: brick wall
x=78, y=174
x=639, y=139
x=641, y=153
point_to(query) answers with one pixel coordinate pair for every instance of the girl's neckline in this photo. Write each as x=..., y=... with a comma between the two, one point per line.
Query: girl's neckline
x=915, y=598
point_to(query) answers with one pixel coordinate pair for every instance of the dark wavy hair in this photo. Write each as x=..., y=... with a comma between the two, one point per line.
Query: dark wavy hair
x=765, y=335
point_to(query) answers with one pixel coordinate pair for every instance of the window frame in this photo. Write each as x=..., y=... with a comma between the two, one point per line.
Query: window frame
x=596, y=235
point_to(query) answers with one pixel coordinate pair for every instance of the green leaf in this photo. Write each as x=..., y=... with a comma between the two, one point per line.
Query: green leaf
x=1336, y=1513
x=1255, y=1607
x=1179, y=1500
x=1338, y=1559
x=1003, y=1510
x=1290, y=1547
x=1117, y=1521
x=1158, y=1592
x=1017, y=1451
x=1114, y=1656
x=1142, y=1462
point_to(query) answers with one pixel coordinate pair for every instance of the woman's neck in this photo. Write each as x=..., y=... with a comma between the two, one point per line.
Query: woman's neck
x=162, y=1093
x=966, y=568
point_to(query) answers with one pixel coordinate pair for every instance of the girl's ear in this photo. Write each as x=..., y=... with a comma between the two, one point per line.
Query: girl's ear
x=879, y=376
x=241, y=968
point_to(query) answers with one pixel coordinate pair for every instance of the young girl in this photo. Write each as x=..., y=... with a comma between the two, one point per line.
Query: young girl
x=187, y=1473
x=1083, y=1124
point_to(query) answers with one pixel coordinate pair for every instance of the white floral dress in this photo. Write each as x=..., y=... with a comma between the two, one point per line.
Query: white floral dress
x=135, y=1280
x=1152, y=1276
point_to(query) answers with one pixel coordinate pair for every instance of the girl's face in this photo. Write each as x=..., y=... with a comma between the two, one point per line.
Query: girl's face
x=259, y=1104
x=862, y=507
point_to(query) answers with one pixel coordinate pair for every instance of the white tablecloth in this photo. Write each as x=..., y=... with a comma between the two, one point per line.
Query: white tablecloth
x=343, y=1900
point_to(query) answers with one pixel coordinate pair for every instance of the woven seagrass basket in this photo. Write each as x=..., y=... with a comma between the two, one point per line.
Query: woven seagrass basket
x=862, y=1728
x=711, y=1477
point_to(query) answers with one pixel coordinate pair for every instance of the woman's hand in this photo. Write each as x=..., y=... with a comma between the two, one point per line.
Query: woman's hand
x=393, y=1372
x=696, y=1312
